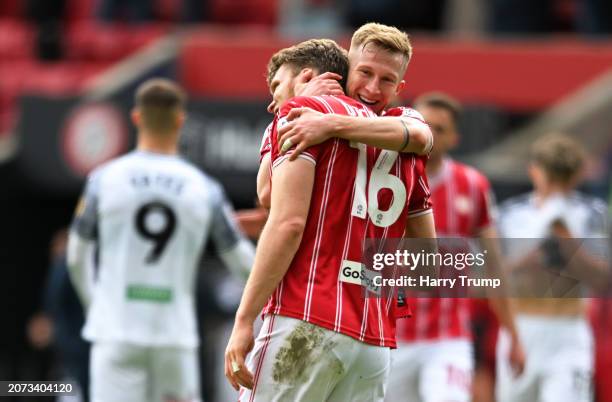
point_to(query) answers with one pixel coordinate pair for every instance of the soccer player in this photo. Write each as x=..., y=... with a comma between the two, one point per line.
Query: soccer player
x=555, y=332
x=322, y=340
x=149, y=213
x=435, y=360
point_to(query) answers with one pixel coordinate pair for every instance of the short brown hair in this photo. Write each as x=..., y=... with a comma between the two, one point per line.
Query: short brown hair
x=559, y=156
x=159, y=100
x=440, y=100
x=324, y=55
x=385, y=37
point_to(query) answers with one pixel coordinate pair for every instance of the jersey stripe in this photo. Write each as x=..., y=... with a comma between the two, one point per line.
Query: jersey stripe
x=315, y=257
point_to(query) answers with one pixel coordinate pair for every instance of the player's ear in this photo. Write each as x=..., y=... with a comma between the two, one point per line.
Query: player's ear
x=532, y=171
x=306, y=75
x=400, y=87
x=455, y=138
x=271, y=107
x=180, y=118
x=136, y=118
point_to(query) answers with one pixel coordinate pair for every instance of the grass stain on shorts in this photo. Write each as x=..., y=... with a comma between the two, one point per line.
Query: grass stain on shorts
x=304, y=345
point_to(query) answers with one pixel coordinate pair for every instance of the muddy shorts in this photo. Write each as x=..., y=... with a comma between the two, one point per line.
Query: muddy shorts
x=295, y=361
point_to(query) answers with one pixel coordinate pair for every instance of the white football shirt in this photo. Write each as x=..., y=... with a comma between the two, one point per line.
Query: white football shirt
x=150, y=215
x=585, y=217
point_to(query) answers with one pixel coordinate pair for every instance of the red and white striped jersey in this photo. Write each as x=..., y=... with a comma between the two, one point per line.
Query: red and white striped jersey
x=403, y=111
x=462, y=206
x=264, y=148
x=359, y=192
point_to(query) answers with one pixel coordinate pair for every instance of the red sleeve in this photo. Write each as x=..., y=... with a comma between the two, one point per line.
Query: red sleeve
x=311, y=154
x=419, y=202
x=266, y=145
x=402, y=111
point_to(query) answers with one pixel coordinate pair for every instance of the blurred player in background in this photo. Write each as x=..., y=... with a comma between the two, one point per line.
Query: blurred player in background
x=322, y=340
x=555, y=332
x=149, y=213
x=436, y=357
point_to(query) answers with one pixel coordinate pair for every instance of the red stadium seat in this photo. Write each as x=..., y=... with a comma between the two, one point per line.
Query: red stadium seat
x=12, y=8
x=16, y=40
x=107, y=42
x=256, y=12
x=80, y=10
x=168, y=10
x=31, y=77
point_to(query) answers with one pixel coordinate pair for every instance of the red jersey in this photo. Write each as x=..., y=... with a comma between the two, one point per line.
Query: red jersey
x=601, y=321
x=402, y=111
x=359, y=192
x=460, y=196
x=264, y=147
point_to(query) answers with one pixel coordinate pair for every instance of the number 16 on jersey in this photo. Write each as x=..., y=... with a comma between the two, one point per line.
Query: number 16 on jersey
x=380, y=178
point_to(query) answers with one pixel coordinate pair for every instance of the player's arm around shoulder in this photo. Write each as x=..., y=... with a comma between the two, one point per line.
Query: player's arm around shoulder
x=307, y=127
x=419, y=136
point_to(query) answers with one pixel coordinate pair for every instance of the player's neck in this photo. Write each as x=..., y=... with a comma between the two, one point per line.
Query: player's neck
x=157, y=145
x=551, y=190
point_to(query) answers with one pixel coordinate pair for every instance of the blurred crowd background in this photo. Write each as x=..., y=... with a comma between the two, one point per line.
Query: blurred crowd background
x=68, y=68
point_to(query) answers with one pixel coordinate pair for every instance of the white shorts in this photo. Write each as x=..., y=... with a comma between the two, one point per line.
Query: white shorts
x=295, y=361
x=559, y=364
x=123, y=372
x=431, y=371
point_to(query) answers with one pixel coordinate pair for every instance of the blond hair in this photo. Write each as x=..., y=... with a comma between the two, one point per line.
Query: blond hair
x=321, y=54
x=385, y=37
x=159, y=100
x=561, y=157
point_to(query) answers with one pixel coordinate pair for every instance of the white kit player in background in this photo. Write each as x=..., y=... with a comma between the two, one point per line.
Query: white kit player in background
x=555, y=331
x=149, y=214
